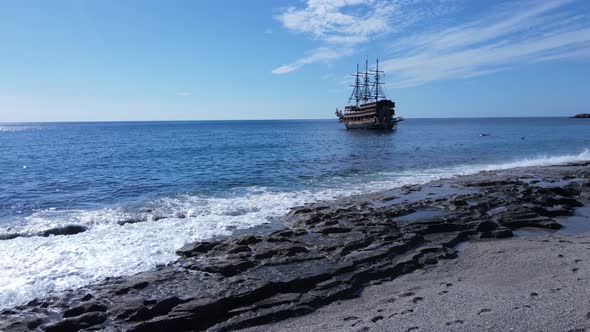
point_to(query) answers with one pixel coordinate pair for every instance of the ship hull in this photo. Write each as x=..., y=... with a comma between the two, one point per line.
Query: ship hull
x=377, y=115
x=370, y=126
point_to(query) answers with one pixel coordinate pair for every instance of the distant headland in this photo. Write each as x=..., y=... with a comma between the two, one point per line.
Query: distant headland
x=582, y=116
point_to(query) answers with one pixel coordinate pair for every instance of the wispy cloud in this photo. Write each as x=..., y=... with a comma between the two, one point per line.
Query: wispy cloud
x=317, y=55
x=425, y=43
x=520, y=33
x=343, y=24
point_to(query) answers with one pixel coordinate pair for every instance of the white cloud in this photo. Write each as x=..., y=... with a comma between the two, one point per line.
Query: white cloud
x=321, y=54
x=340, y=25
x=511, y=35
x=338, y=21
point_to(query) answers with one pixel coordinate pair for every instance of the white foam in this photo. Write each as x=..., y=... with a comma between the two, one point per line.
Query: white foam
x=37, y=266
x=15, y=128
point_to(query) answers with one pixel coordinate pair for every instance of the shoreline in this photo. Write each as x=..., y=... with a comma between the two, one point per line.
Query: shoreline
x=330, y=252
x=286, y=119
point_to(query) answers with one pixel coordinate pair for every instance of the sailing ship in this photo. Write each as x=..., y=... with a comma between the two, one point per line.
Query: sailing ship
x=371, y=110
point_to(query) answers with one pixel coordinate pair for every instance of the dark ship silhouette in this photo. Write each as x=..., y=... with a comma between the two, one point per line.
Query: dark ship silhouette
x=372, y=110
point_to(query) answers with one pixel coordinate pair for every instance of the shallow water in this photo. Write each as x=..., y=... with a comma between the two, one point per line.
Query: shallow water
x=579, y=223
x=421, y=214
x=194, y=180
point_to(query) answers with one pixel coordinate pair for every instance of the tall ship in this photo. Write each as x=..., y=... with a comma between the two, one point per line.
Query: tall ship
x=371, y=109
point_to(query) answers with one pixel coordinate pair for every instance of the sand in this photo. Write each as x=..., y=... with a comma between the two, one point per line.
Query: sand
x=538, y=283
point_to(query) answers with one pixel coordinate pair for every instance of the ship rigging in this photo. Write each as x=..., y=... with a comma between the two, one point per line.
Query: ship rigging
x=371, y=108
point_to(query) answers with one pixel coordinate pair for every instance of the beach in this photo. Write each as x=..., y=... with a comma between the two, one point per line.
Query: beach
x=519, y=284
x=437, y=256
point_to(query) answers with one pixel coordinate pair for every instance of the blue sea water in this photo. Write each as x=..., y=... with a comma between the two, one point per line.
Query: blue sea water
x=194, y=180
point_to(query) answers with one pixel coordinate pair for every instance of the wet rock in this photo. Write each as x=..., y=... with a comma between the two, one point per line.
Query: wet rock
x=8, y=236
x=77, y=323
x=66, y=230
x=131, y=221
x=86, y=297
x=88, y=307
x=196, y=248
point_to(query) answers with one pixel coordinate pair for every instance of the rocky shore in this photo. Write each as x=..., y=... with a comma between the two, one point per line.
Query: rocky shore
x=326, y=252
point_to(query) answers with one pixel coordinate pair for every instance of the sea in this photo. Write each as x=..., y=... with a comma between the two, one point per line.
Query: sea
x=144, y=189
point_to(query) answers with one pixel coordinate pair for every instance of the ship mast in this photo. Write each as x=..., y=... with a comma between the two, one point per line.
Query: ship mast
x=356, y=93
x=377, y=90
x=366, y=91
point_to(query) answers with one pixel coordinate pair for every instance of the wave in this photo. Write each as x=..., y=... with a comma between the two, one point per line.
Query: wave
x=36, y=266
x=16, y=128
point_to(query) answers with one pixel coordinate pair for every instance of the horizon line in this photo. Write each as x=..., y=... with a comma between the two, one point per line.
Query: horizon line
x=288, y=119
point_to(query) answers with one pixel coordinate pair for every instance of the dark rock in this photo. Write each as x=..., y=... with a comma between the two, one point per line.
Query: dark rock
x=459, y=202
x=86, y=297
x=249, y=239
x=131, y=221
x=87, y=307
x=66, y=230
x=34, y=322
x=331, y=230
x=486, y=226
x=196, y=248
x=8, y=236
x=77, y=323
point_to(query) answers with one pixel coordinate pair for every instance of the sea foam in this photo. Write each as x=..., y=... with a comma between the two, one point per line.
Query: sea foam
x=36, y=266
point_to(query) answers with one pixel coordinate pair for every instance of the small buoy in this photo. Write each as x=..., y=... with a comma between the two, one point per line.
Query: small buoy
x=25, y=166
x=523, y=137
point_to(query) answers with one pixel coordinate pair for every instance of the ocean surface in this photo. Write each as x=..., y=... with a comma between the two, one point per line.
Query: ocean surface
x=187, y=181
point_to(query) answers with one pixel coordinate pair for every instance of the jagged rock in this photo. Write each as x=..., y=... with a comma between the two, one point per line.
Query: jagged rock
x=77, y=323
x=88, y=307
x=196, y=248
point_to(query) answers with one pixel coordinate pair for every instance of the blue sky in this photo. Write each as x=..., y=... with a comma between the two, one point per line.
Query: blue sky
x=202, y=60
